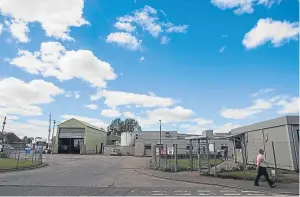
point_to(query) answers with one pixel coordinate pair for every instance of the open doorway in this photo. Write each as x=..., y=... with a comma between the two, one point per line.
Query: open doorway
x=69, y=145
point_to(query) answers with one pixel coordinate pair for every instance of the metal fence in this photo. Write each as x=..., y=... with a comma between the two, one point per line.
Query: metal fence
x=282, y=160
x=20, y=159
x=191, y=158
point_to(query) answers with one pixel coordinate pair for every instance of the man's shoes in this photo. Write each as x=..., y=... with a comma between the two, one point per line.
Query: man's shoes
x=256, y=185
x=272, y=186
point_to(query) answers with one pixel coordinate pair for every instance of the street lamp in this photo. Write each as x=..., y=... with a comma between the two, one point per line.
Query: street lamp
x=159, y=132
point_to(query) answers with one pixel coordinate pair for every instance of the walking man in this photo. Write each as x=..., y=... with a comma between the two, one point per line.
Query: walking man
x=262, y=169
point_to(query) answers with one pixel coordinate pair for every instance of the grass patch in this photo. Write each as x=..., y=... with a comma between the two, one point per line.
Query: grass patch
x=186, y=162
x=240, y=174
x=8, y=164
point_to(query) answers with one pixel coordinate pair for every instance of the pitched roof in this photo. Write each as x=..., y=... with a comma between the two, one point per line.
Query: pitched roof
x=86, y=124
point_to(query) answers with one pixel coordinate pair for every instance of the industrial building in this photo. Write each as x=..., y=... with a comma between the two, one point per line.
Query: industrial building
x=282, y=132
x=78, y=137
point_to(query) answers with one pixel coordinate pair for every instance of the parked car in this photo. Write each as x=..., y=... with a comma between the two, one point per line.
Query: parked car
x=116, y=152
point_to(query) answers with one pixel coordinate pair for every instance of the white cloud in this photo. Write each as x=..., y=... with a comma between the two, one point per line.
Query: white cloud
x=128, y=115
x=166, y=115
x=30, y=128
x=242, y=6
x=177, y=28
x=125, y=26
x=289, y=106
x=93, y=121
x=222, y=49
x=19, y=30
x=73, y=94
x=125, y=40
x=54, y=60
x=165, y=40
x=268, y=30
x=21, y=98
x=147, y=19
x=1, y=28
x=92, y=106
x=262, y=91
x=110, y=113
x=118, y=98
x=203, y=121
x=142, y=59
x=242, y=113
x=197, y=130
x=56, y=17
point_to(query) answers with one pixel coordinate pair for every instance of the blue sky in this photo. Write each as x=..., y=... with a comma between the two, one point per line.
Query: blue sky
x=193, y=64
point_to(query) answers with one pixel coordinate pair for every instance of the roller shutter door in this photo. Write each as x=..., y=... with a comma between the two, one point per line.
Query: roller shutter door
x=71, y=133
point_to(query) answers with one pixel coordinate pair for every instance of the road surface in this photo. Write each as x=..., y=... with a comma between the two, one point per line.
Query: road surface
x=101, y=175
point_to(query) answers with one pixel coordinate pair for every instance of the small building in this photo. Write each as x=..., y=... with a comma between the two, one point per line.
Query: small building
x=146, y=140
x=282, y=132
x=113, y=140
x=75, y=136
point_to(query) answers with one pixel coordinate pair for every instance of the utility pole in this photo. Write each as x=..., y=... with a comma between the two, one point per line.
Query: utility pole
x=2, y=136
x=159, y=132
x=52, y=141
x=49, y=129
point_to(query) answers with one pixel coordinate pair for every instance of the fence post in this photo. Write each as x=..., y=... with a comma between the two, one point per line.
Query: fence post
x=18, y=160
x=276, y=171
x=96, y=149
x=215, y=159
x=191, y=155
x=176, y=157
x=166, y=156
x=159, y=155
x=207, y=150
x=199, y=155
x=154, y=154
x=32, y=157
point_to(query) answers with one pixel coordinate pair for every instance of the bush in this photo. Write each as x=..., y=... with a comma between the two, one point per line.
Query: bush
x=251, y=167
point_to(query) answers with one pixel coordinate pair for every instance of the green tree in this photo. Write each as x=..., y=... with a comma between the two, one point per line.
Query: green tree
x=118, y=126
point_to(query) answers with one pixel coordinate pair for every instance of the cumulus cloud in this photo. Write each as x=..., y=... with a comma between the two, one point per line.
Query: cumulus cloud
x=54, y=60
x=148, y=20
x=268, y=30
x=125, y=40
x=92, y=106
x=55, y=17
x=242, y=6
x=110, y=113
x=166, y=115
x=19, y=30
x=118, y=98
x=241, y=113
x=125, y=26
x=18, y=97
x=1, y=28
x=289, y=106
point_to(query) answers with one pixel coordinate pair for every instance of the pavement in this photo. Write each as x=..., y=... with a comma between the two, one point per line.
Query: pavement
x=88, y=175
x=193, y=177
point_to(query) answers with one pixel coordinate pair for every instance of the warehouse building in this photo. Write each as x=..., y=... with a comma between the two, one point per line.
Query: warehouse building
x=282, y=132
x=78, y=137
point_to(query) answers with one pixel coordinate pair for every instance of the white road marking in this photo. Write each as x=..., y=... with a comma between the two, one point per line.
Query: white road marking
x=201, y=194
x=255, y=194
x=232, y=194
x=251, y=191
x=184, y=194
x=158, y=191
x=181, y=191
x=158, y=194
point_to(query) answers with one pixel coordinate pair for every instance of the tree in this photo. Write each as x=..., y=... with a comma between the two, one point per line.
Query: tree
x=27, y=140
x=118, y=126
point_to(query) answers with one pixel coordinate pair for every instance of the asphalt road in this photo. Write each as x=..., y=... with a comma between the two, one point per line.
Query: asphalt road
x=101, y=176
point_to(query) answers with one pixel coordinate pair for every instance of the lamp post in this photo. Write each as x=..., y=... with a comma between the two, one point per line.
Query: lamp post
x=160, y=132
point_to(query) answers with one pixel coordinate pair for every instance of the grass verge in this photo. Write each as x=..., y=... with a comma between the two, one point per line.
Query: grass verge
x=8, y=164
x=186, y=162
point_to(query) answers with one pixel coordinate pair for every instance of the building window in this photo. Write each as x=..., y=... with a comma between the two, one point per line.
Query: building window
x=298, y=134
x=147, y=146
x=238, y=143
